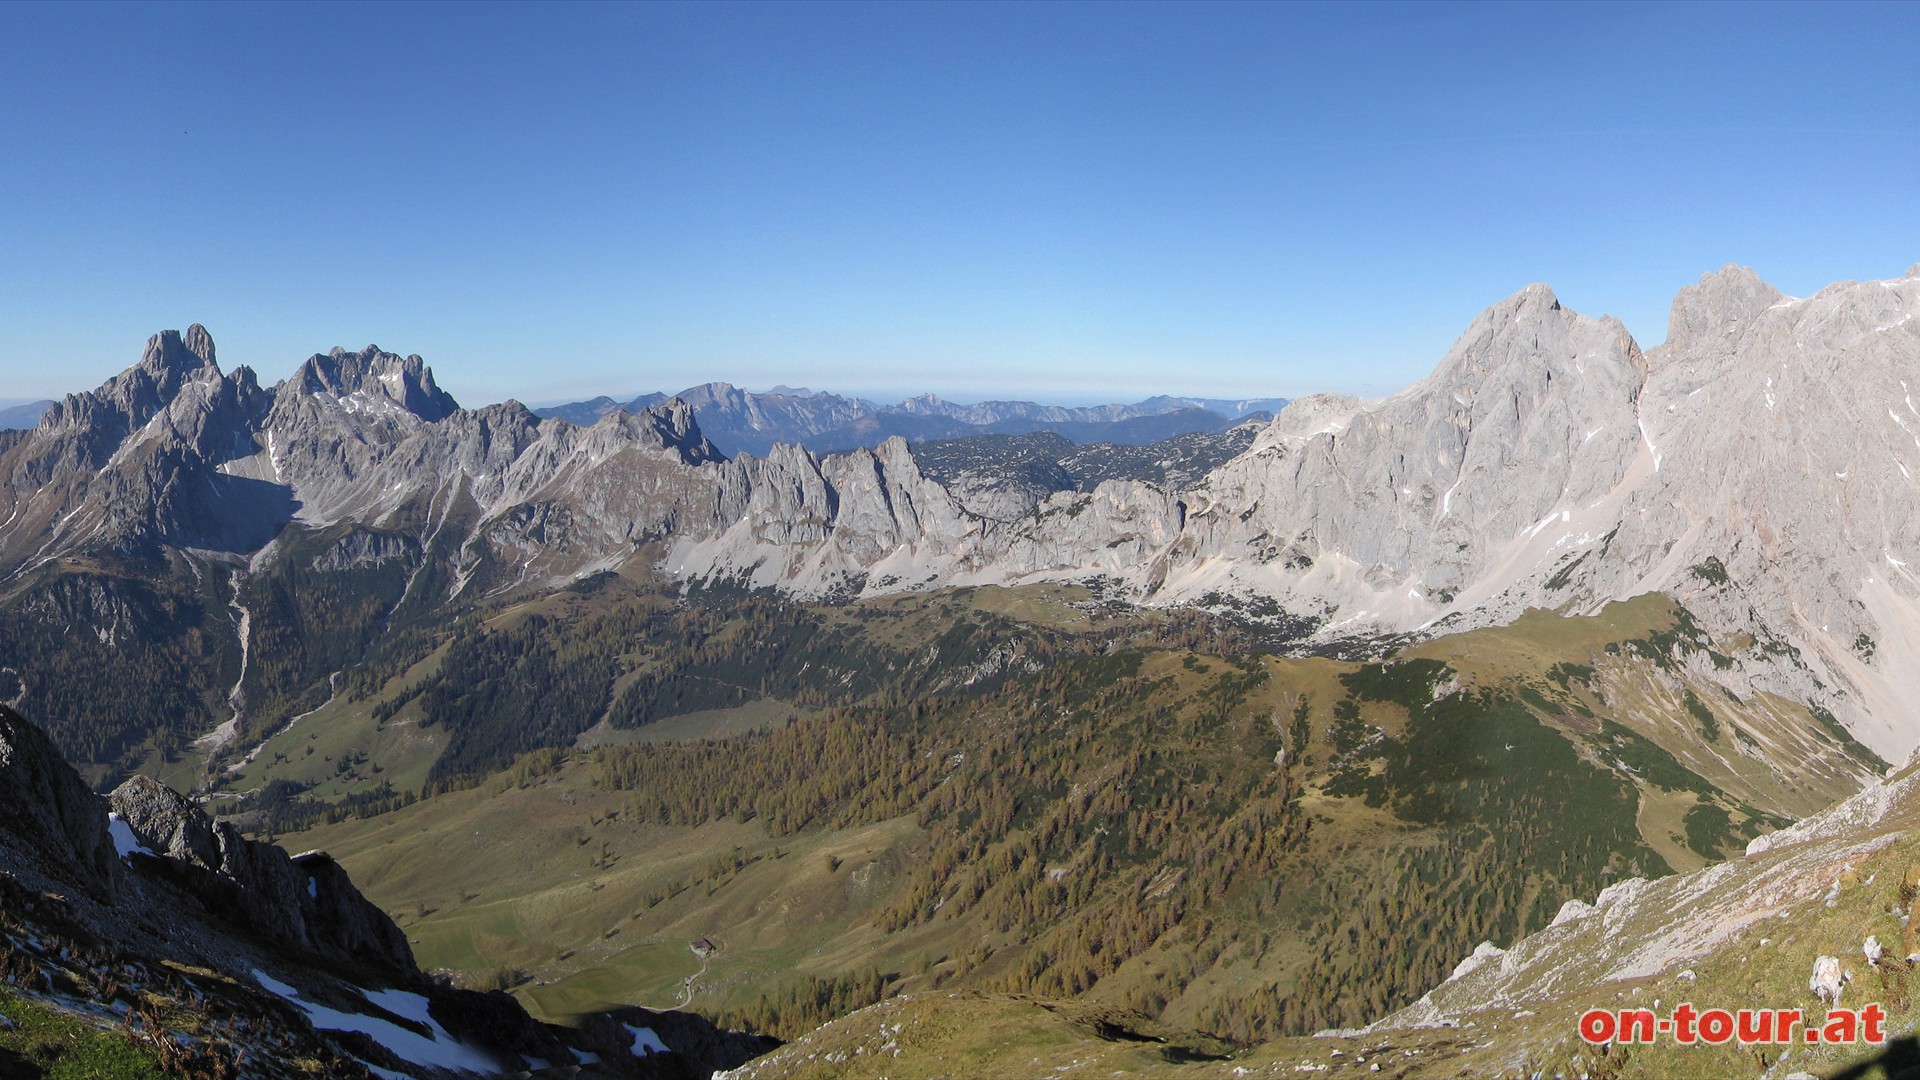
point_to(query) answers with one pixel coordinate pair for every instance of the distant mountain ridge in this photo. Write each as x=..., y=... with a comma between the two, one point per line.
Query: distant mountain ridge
x=186, y=555
x=742, y=421
x=1751, y=466
x=16, y=417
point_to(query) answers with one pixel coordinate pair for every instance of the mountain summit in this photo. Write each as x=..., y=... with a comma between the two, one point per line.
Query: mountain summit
x=1722, y=303
x=374, y=378
x=1752, y=466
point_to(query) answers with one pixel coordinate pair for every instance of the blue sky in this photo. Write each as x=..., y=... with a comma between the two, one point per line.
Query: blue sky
x=1066, y=202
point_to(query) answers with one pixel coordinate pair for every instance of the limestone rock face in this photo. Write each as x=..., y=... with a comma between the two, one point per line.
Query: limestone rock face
x=1788, y=446
x=133, y=465
x=1752, y=466
x=1393, y=503
x=1719, y=306
x=173, y=455
x=305, y=902
x=374, y=380
x=823, y=526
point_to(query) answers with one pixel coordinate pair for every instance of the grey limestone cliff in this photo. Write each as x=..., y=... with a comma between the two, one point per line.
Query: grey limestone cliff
x=1752, y=466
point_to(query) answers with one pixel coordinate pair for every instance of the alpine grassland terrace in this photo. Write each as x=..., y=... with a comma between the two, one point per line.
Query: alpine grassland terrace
x=1149, y=809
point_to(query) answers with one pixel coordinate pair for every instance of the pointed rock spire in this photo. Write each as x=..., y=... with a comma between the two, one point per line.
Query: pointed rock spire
x=200, y=343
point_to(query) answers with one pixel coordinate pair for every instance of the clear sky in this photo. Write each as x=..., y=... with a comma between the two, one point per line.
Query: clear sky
x=1067, y=202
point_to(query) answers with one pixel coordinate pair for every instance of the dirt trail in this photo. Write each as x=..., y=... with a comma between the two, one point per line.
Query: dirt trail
x=686, y=986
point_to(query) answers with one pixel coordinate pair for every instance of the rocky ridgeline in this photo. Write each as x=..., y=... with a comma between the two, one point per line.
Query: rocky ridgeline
x=1760, y=465
x=744, y=422
x=139, y=913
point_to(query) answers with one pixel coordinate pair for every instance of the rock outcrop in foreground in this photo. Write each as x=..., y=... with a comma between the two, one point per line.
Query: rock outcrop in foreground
x=306, y=901
x=49, y=818
x=222, y=956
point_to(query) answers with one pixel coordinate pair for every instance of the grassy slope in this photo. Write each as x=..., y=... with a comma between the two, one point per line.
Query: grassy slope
x=764, y=714
x=47, y=1043
x=974, y=1034
x=1764, y=964
x=310, y=750
x=517, y=878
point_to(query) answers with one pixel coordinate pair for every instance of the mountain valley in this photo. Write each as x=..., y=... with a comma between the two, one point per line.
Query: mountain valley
x=1159, y=745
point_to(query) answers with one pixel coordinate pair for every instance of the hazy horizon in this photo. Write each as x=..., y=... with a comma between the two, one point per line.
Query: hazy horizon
x=1049, y=202
x=883, y=395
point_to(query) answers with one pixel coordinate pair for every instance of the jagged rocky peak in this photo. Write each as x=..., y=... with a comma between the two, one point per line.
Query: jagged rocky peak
x=169, y=353
x=680, y=416
x=673, y=424
x=200, y=343
x=1530, y=338
x=373, y=377
x=131, y=398
x=1721, y=302
x=1527, y=371
x=1383, y=504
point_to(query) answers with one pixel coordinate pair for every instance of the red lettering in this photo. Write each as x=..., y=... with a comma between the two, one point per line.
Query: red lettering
x=1872, y=1017
x=1598, y=1026
x=1683, y=1018
x=1716, y=1026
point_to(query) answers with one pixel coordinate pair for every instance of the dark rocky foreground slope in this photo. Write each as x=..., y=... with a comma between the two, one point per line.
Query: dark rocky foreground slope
x=211, y=955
